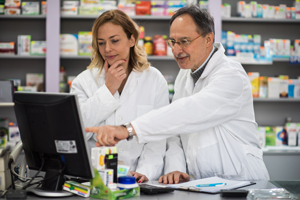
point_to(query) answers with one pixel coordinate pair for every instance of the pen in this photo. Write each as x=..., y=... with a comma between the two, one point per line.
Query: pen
x=211, y=185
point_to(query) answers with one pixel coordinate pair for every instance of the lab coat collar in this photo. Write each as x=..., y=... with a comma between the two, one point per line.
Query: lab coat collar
x=189, y=85
x=213, y=60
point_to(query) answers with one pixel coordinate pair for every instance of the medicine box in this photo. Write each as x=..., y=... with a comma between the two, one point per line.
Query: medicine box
x=7, y=48
x=44, y=8
x=98, y=156
x=270, y=136
x=69, y=44
x=291, y=129
x=261, y=133
x=100, y=191
x=273, y=87
x=24, y=44
x=107, y=176
x=69, y=8
x=30, y=8
x=38, y=48
x=77, y=188
x=254, y=79
x=85, y=43
x=35, y=79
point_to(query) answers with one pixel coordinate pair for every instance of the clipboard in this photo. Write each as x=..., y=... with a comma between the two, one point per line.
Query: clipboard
x=192, y=185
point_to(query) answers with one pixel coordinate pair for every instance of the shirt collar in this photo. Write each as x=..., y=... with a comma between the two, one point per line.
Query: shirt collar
x=205, y=60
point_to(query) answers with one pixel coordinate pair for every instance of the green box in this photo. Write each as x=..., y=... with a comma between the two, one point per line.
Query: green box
x=270, y=136
x=100, y=191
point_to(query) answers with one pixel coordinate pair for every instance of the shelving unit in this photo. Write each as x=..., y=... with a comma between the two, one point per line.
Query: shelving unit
x=272, y=112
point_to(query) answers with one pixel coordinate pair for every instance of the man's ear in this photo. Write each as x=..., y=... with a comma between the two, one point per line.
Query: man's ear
x=132, y=41
x=209, y=39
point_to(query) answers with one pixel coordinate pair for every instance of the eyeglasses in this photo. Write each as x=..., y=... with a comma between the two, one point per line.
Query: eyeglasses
x=183, y=43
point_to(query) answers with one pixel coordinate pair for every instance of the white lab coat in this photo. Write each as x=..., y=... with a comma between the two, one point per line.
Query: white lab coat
x=142, y=92
x=214, y=120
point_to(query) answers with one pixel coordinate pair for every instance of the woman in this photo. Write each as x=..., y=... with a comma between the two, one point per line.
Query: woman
x=118, y=86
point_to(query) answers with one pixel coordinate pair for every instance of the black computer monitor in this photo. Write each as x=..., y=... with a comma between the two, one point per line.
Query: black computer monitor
x=53, y=136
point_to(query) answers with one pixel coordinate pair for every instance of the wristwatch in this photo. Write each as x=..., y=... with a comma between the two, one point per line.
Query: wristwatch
x=129, y=130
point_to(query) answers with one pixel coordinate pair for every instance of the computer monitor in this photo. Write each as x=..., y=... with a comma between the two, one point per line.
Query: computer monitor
x=53, y=137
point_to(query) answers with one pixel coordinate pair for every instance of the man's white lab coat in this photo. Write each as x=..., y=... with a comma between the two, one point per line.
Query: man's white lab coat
x=214, y=120
x=142, y=92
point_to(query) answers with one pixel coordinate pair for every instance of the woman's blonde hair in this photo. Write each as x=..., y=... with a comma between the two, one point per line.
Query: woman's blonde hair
x=138, y=56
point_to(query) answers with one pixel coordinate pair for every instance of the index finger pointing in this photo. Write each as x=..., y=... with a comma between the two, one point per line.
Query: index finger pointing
x=92, y=129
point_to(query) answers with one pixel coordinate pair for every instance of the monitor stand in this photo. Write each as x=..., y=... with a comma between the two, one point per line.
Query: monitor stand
x=48, y=193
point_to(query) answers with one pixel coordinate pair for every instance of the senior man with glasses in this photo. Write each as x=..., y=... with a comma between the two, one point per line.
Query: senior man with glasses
x=210, y=125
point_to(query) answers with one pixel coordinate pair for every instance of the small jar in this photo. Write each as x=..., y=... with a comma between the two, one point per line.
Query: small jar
x=127, y=182
x=148, y=44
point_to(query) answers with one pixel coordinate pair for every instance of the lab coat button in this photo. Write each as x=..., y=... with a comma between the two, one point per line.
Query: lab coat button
x=120, y=118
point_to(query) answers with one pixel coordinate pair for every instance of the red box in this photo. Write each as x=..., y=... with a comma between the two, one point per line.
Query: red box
x=143, y=7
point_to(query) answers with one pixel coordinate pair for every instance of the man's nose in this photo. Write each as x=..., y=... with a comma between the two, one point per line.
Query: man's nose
x=176, y=49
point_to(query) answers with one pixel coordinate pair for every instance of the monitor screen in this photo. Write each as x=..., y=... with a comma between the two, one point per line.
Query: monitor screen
x=52, y=134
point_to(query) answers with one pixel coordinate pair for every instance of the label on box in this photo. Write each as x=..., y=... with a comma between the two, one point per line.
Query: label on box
x=38, y=48
x=30, y=8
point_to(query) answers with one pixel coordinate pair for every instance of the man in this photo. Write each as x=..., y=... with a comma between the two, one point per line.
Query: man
x=211, y=117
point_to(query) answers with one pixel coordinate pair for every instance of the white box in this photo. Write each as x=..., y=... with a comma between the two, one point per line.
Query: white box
x=24, y=44
x=38, y=48
x=273, y=87
x=85, y=43
x=107, y=176
x=44, y=8
x=30, y=8
x=69, y=8
x=69, y=44
x=98, y=156
x=261, y=134
x=291, y=129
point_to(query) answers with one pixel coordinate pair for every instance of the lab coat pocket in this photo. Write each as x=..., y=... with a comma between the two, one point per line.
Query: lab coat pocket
x=143, y=109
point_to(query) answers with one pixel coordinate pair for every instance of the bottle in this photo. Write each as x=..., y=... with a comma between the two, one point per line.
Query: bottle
x=142, y=35
x=148, y=44
x=62, y=80
x=160, y=46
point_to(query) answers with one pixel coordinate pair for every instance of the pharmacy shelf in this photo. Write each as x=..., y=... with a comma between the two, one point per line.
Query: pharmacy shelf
x=281, y=59
x=281, y=150
x=6, y=104
x=7, y=56
x=22, y=16
x=149, y=57
x=241, y=19
x=147, y=17
x=276, y=99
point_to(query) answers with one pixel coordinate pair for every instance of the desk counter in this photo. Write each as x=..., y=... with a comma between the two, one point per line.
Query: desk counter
x=176, y=195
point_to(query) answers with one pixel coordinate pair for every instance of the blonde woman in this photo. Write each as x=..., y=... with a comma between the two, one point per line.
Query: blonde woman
x=118, y=86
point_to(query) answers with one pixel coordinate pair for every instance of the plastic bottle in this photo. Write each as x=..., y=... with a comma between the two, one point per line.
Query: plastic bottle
x=148, y=44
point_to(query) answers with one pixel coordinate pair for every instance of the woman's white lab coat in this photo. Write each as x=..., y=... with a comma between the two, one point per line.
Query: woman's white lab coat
x=214, y=120
x=143, y=92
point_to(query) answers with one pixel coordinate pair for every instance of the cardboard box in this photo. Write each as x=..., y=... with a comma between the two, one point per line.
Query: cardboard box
x=254, y=79
x=7, y=48
x=85, y=43
x=24, y=44
x=38, y=48
x=100, y=191
x=69, y=44
x=30, y=8
x=37, y=80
